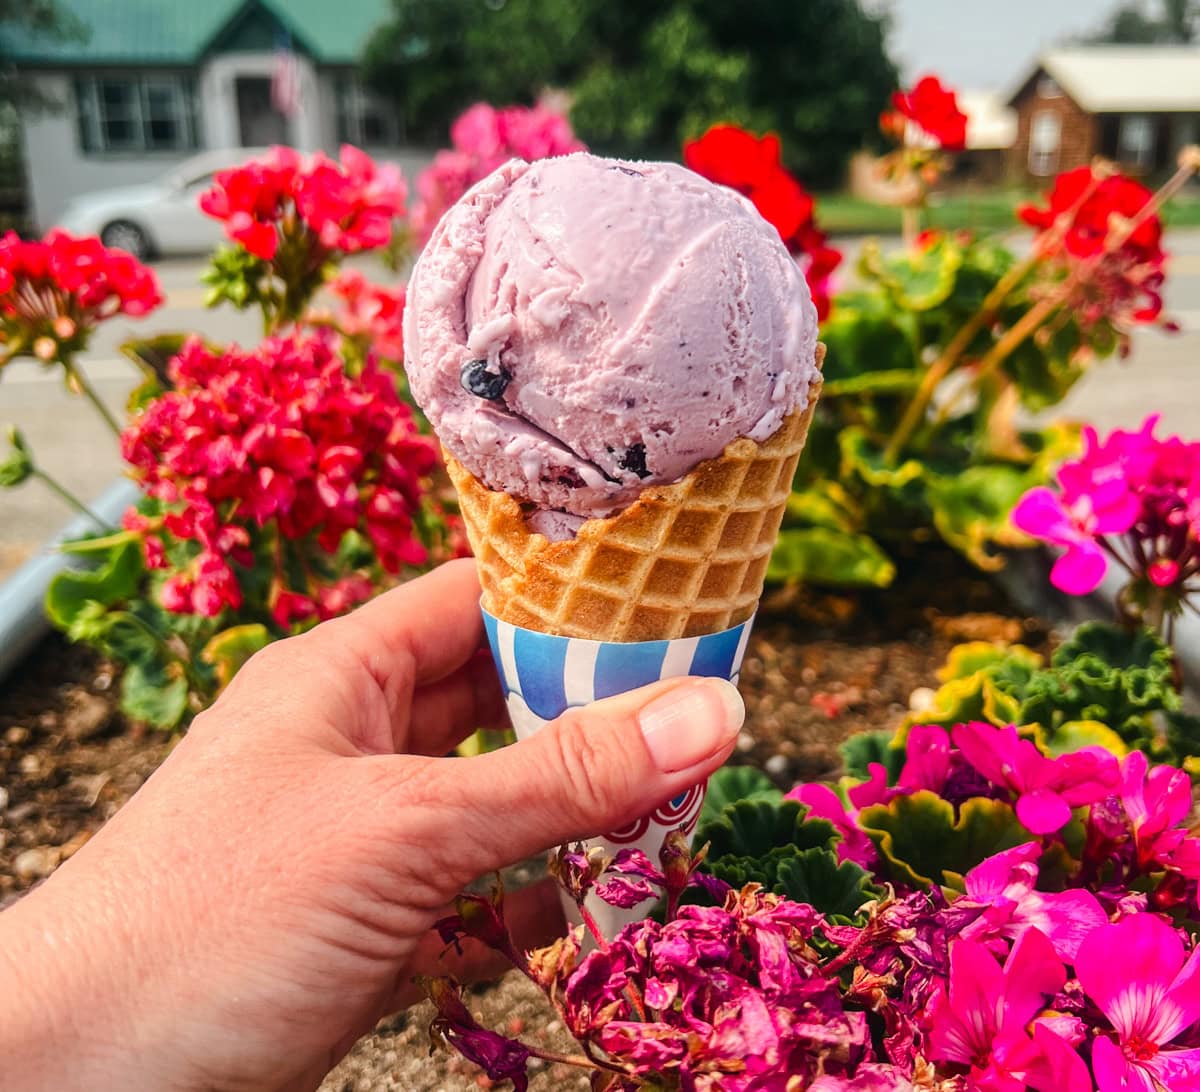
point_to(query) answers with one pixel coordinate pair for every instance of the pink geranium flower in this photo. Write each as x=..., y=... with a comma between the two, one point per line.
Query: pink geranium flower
x=1005, y=885
x=1157, y=802
x=1046, y=788
x=981, y=1021
x=1139, y=975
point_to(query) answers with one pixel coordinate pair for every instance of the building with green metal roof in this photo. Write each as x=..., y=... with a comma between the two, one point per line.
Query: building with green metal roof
x=152, y=83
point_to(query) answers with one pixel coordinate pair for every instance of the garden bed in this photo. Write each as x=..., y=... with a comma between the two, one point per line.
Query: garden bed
x=819, y=668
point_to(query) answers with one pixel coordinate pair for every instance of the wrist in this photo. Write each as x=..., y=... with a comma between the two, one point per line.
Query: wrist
x=68, y=994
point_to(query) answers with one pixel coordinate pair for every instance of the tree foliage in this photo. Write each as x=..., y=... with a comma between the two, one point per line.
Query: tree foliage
x=643, y=78
x=1168, y=22
x=42, y=17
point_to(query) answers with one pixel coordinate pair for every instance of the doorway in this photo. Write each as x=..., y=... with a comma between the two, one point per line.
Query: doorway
x=259, y=123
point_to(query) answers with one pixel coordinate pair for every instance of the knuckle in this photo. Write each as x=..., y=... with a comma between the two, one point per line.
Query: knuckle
x=597, y=775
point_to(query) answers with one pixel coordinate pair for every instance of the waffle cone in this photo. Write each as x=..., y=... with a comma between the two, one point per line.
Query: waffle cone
x=683, y=560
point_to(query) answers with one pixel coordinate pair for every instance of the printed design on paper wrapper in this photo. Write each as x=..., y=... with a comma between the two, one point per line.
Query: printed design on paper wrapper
x=683, y=811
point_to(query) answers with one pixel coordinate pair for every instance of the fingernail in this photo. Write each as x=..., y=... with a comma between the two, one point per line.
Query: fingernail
x=689, y=723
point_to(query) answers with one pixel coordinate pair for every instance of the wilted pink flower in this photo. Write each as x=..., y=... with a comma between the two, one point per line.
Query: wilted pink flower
x=1139, y=975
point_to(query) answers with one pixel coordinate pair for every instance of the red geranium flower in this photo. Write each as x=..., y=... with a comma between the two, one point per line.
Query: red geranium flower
x=54, y=292
x=1119, y=284
x=933, y=108
x=752, y=165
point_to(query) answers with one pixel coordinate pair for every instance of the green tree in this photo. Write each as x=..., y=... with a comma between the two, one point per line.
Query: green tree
x=1170, y=22
x=40, y=17
x=644, y=77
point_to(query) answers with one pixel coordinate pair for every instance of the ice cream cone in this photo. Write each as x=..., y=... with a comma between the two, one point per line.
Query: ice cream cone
x=685, y=559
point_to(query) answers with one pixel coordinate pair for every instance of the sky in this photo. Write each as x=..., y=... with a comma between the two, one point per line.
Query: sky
x=984, y=43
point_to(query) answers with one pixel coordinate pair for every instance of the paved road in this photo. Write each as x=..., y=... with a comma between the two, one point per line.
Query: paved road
x=1162, y=375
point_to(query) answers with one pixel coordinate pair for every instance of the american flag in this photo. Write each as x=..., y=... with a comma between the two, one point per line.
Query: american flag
x=285, y=79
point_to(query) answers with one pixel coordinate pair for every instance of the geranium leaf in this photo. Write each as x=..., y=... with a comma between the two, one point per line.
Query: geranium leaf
x=966, y=659
x=116, y=579
x=229, y=650
x=822, y=556
x=815, y=876
x=863, y=748
x=919, y=837
x=733, y=783
x=154, y=692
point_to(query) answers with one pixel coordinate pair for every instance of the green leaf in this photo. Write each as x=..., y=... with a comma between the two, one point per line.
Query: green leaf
x=1074, y=735
x=228, y=651
x=17, y=468
x=733, y=783
x=864, y=748
x=822, y=503
x=822, y=556
x=815, y=876
x=118, y=578
x=971, y=511
x=751, y=828
x=153, y=355
x=917, y=278
x=867, y=336
x=862, y=458
x=920, y=840
x=154, y=692
x=977, y=697
x=966, y=659
x=100, y=544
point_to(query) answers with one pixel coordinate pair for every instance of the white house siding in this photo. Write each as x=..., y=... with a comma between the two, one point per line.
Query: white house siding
x=58, y=170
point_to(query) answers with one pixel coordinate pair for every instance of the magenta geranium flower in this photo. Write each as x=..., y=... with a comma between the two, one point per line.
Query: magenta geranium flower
x=1082, y=565
x=1141, y=978
x=1157, y=803
x=981, y=1021
x=823, y=803
x=1005, y=885
x=1132, y=496
x=1046, y=788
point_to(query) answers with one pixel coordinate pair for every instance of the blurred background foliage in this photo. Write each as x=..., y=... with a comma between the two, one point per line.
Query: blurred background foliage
x=643, y=78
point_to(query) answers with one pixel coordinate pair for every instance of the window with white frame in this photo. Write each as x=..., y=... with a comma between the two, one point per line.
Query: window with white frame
x=363, y=118
x=1137, y=140
x=1045, y=137
x=136, y=113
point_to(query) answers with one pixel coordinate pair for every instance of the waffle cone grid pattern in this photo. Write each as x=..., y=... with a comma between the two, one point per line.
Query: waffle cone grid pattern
x=684, y=560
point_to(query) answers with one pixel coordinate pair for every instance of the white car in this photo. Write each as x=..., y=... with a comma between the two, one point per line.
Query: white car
x=160, y=217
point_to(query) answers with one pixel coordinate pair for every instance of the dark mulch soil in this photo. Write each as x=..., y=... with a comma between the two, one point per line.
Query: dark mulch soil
x=819, y=668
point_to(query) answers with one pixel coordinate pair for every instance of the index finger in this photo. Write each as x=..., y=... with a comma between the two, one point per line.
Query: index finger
x=416, y=634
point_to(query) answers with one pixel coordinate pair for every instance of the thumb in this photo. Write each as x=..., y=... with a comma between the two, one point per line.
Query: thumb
x=595, y=768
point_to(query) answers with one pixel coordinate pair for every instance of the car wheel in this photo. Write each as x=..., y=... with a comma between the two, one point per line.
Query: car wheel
x=127, y=236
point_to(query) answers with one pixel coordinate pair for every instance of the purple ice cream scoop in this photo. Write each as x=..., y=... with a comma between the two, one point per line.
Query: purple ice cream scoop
x=580, y=328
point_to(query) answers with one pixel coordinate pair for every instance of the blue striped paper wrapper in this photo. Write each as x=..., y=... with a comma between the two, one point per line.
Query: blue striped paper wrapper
x=543, y=676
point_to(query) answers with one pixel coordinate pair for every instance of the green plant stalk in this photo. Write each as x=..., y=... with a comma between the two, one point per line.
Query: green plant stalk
x=69, y=498
x=940, y=368
x=1114, y=240
x=76, y=377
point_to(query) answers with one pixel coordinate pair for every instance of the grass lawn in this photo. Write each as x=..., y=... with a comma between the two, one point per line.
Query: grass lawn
x=991, y=210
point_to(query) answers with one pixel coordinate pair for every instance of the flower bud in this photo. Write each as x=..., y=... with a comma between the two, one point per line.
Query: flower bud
x=45, y=349
x=65, y=328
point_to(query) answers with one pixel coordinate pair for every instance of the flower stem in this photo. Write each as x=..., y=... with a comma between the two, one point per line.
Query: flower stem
x=73, y=501
x=79, y=381
x=940, y=368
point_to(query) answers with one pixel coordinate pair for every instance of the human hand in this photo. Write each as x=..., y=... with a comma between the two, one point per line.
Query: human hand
x=268, y=894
